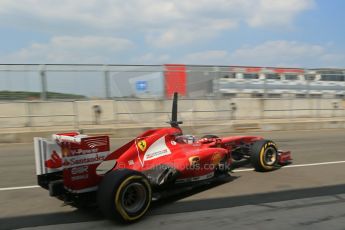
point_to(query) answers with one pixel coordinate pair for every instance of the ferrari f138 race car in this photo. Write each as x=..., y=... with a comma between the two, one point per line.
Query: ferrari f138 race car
x=79, y=169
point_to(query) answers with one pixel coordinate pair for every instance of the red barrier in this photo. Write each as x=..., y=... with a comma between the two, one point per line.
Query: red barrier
x=175, y=80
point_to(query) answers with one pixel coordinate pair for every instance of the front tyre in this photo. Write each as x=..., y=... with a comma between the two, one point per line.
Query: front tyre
x=124, y=195
x=264, y=155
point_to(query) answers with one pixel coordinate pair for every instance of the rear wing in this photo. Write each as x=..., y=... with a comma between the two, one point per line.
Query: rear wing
x=70, y=160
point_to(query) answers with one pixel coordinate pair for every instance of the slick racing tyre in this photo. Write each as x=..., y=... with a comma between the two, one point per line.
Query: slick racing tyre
x=124, y=195
x=264, y=155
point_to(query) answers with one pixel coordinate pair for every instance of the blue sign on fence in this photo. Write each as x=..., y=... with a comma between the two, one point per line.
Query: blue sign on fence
x=141, y=85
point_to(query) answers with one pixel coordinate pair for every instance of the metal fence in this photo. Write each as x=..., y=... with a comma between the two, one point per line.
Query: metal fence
x=82, y=82
x=67, y=95
x=54, y=82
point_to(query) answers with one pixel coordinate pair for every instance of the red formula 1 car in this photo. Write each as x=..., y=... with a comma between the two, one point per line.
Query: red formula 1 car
x=77, y=168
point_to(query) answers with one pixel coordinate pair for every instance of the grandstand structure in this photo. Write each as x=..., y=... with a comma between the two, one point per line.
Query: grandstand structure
x=274, y=82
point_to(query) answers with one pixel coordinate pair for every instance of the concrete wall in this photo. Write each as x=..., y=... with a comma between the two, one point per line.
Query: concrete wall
x=78, y=113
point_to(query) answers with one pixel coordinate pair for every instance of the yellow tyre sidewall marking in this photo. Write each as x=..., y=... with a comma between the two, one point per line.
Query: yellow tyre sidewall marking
x=118, y=205
x=262, y=153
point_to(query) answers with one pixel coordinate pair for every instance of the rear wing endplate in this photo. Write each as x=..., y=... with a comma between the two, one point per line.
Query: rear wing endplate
x=74, y=156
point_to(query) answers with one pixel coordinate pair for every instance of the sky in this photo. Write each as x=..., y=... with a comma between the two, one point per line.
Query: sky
x=291, y=33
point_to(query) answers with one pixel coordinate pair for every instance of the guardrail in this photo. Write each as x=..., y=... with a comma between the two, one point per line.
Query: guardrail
x=77, y=114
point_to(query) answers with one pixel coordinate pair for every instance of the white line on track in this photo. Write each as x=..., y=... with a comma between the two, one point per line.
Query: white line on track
x=18, y=188
x=238, y=170
x=297, y=166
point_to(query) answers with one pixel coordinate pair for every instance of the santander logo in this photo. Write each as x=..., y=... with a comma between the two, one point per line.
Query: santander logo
x=54, y=162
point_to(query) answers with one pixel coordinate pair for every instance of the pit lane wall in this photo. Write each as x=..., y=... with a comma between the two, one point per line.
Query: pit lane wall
x=124, y=117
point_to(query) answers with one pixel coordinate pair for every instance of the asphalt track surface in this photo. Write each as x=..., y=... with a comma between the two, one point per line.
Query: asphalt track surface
x=310, y=194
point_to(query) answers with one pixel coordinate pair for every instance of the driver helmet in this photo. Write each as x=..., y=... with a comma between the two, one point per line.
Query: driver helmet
x=186, y=139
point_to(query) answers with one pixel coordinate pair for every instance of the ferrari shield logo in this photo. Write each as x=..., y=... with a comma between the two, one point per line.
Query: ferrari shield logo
x=142, y=145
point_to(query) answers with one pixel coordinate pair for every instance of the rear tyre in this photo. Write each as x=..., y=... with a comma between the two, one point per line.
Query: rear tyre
x=264, y=155
x=124, y=195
